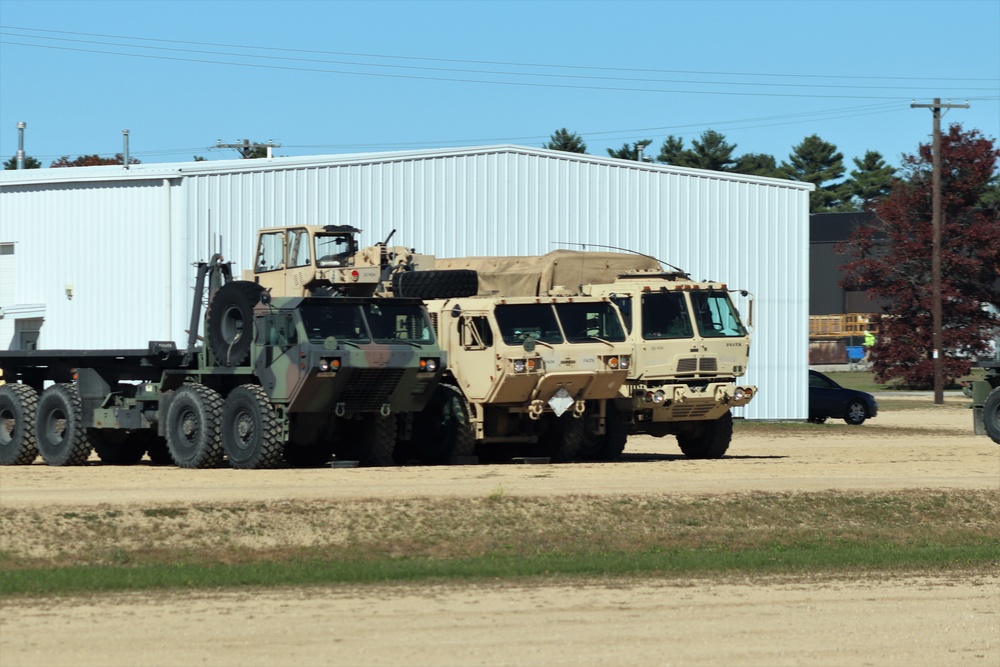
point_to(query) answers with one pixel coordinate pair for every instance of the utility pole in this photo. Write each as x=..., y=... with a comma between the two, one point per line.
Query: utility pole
x=247, y=148
x=936, y=222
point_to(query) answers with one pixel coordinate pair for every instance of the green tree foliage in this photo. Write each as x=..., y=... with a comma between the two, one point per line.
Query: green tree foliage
x=757, y=164
x=564, y=140
x=869, y=182
x=92, y=161
x=710, y=151
x=820, y=163
x=896, y=268
x=29, y=163
x=631, y=152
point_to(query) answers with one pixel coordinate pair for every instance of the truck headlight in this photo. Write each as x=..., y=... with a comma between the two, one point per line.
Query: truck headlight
x=429, y=365
x=519, y=365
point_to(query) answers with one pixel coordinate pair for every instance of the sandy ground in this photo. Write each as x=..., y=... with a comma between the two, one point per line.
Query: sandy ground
x=938, y=620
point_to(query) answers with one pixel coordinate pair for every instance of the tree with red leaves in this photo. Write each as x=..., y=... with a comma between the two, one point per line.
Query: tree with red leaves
x=892, y=260
x=91, y=161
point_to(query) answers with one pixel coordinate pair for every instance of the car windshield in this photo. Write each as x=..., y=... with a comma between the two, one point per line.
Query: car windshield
x=583, y=322
x=715, y=315
x=334, y=249
x=519, y=322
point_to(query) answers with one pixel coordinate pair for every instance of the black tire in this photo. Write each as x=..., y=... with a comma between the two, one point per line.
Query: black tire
x=62, y=438
x=709, y=440
x=443, y=432
x=18, y=405
x=371, y=440
x=612, y=444
x=440, y=284
x=230, y=321
x=991, y=415
x=856, y=413
x=117, y=447
x=251, y=429
x=566, y=438
x=193, y=427
x=159, y=453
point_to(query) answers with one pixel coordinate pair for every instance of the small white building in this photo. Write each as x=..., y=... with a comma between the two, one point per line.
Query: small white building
x=101, y=257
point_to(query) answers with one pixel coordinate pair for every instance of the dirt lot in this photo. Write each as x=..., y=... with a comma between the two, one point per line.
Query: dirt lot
x=936, y=620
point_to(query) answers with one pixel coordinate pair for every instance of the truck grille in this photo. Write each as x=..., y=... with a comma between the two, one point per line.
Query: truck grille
x=370, y=388
x=695, y=364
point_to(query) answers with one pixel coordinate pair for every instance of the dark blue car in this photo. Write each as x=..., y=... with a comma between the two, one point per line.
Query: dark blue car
x=829, y=399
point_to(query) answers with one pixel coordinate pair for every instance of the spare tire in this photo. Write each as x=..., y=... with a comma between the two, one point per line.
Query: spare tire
x=440, y=284
x=229, y=322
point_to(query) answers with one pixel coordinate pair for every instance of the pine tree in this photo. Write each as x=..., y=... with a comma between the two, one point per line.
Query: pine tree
x=871, y=181
x=820, y=163
x=564, y=140
x=631, y=152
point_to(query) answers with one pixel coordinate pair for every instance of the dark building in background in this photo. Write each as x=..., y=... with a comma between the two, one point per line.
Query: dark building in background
x=826, y=296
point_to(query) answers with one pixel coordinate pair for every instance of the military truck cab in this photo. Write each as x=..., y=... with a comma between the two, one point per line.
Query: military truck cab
x=530, y=376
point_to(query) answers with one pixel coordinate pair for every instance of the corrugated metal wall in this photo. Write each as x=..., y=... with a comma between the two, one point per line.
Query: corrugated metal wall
x=751, y=233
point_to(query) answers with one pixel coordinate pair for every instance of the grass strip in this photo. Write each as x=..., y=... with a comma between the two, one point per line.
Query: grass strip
x=882, y=557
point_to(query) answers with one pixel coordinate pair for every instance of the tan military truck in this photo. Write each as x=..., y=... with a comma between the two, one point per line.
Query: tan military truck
x=526, y=376
x=688, y=342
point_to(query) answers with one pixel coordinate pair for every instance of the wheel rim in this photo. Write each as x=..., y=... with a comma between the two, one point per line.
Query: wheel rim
x=244, y=430
x=7, y=425
x=856, y=412
x=55, y=428
x=188, y=428
x=232, y=324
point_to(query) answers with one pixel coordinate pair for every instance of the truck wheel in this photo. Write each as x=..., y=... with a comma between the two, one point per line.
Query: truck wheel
x=251, y=429
x=708, y=439
x=440, y=284
x=370, y=440
x=443, y=431
x=117, y=447
x=159, y=453
x=18, y=405
x=62, y=438
x=193, y=433
x=613, y=441
x=566, y=438
x=230, y=321
x=991, y=415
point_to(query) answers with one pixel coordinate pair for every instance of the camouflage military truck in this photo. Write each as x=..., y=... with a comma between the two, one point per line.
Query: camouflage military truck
x=688, y=342
x=985, y=395
x=282, y=379
x=525, y=377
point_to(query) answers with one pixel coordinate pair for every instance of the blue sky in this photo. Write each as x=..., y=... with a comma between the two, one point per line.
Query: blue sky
x=345, y=77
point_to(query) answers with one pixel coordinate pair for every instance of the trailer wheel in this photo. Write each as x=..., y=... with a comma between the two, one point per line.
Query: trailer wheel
x=62, y=438
x=18, y=405
x=230, y=321
x=991, y=415
x=443, y=431
x=440, y=284
x=708, y=439
x=117, y=447
x=251, y=429
x=193, y=433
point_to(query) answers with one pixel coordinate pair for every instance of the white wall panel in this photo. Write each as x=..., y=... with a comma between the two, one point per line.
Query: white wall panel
x=127, y=241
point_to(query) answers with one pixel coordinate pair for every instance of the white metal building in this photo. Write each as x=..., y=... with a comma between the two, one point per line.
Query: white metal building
x=101, y=257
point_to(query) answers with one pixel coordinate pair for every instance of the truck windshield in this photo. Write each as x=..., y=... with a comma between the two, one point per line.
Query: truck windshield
x=343, y=321
x=518, y=322
x=392, y=322
x=334, y=250
x=716, y=316
x=583, y=322
x=665, y=315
